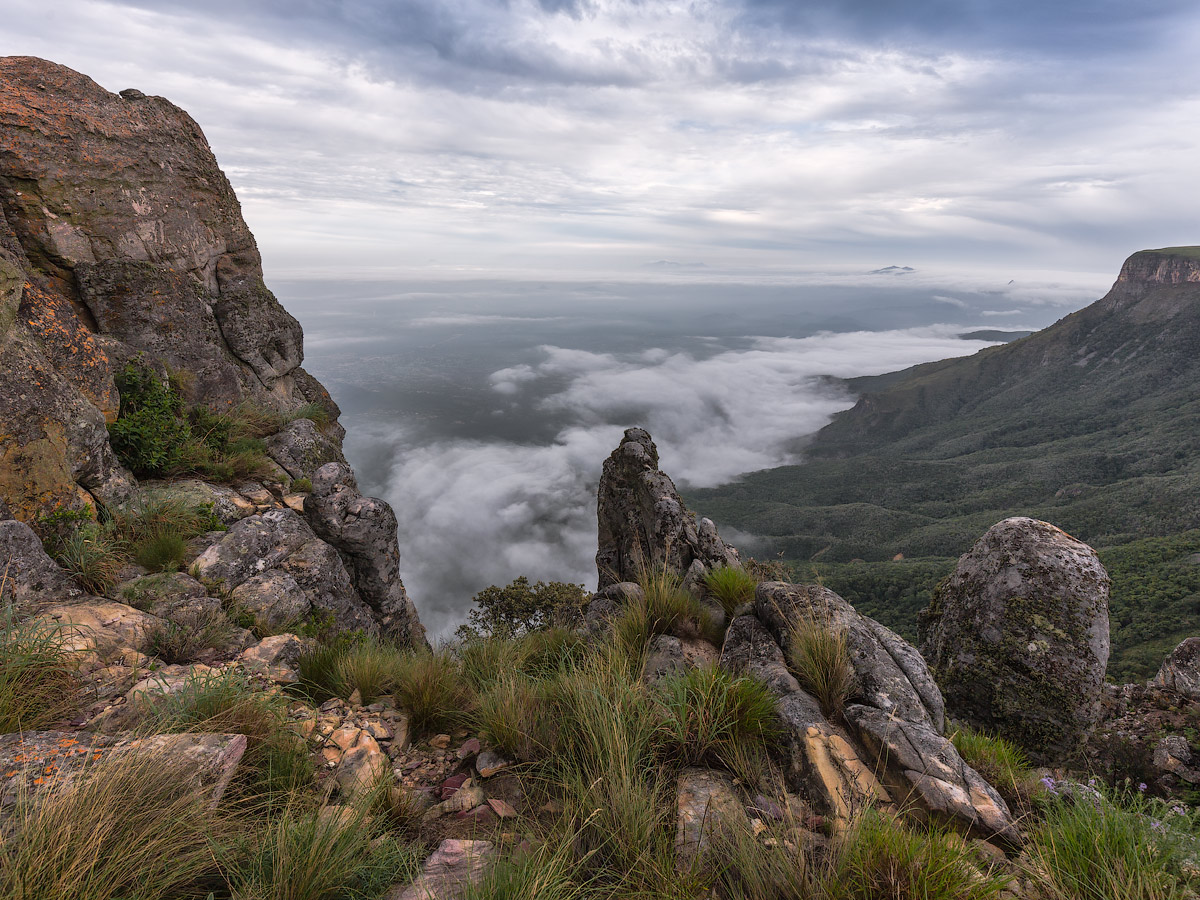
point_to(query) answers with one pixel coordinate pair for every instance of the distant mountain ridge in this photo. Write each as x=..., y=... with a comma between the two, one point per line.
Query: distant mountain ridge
x=1092, y=423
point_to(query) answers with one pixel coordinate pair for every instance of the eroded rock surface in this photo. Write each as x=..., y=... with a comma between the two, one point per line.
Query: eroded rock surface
x=1018, y=636
x=644, y=524
x=706, y=806
x=1180, y=672
x=454, y=865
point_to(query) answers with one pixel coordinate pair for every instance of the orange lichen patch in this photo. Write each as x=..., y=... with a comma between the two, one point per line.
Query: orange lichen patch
x=70, y=346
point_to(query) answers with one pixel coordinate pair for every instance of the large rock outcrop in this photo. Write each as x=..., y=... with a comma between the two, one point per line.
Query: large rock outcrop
x=644, y=524
x=119, y=236
x=1018, y=636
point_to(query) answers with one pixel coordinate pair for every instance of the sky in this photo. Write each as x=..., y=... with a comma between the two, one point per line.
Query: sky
x=731, y=138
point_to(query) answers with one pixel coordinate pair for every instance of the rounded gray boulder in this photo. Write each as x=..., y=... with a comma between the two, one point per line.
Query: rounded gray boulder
x=1017, y=636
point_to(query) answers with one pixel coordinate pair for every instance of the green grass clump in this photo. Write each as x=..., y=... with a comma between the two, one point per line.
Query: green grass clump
x=92, y=555
x=550, y=872
x=183, y=637
x=731, y=585
x=368, y=666
x=132, y=830
x=430, y=687
x=510, y=715
x=664, y=606
x=301, y=485
x=820, y=656
x=881, y=858
x=307, y=853
x=317, y=667
x=709, y=714
x=166, y=552
x=550, y=650
x=1003, y=764
x=276, y=762
x=37, y=680
x=485, y=660
x=1088, y=846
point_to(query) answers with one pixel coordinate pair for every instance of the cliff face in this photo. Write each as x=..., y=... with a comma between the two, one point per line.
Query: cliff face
x=122, y=241
x=119, y=236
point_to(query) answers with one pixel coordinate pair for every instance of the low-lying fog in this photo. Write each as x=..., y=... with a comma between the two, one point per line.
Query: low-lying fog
x=483, y=410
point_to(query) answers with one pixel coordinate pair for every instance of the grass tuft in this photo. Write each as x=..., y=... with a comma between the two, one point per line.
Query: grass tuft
x=1003, y=764
x=182, y=638
x=820, y=656
x=37, y=680
x=431, y=688
x=732, y=586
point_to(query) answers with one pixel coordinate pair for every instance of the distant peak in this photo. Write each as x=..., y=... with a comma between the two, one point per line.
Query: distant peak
x=892, y=270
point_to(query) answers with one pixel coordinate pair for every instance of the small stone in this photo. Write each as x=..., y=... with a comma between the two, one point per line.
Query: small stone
x=757, y=826
x=346, y=736
x=480, y=815
x=378, y=730
x=356, y=697
x=440, y=741
x=451, y=785
x=468, y=748
x=488, y=764
x=501, y=808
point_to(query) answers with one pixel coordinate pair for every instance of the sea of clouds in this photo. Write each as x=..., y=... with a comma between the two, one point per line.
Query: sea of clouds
x=481, y=511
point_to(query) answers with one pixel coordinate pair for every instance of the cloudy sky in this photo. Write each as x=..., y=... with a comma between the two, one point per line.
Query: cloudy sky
x=592, y=137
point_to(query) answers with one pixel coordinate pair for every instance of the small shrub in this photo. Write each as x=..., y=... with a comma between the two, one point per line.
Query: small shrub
x=150, y=430
x=133, y=829
x=431, y=688
x=1089, y=846
x=820, y=657
x=731, y=586
x=317, y=667
x=707, y=712
x=182, y=638
x=37, y=680
x=301, y=485
x=769, y=570
x=314, y=412
x=520, y=607
x=144, y=519
x=882, y=858
x=1003, y=764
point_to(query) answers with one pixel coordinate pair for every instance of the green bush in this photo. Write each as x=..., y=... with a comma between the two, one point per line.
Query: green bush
x=37, y=681
x=150, y=431
x=301, y=485
x=520, y=607
x=731, y=585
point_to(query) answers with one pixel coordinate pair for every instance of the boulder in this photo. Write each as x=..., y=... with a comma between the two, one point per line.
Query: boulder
x=32, y=580
x=923, y=767
x=166, y=594
x=363, y=529
x=99, y=625
x=706, y=807
x=275, y=599
x=36, y=764
x=1180, y=672
x=279, y=543
x=889, y=673
x=300, y=448
x=670, y=655
x=1018, y=636
x=453, y=866
x=276, y=650
x=644, y=524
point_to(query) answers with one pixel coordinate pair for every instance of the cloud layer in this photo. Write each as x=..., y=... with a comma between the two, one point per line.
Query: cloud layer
x=474, y=513
x=592, y=136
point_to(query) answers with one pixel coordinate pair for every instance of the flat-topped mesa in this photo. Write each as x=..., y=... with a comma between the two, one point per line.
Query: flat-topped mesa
x=1170, y=265
x=643, y=523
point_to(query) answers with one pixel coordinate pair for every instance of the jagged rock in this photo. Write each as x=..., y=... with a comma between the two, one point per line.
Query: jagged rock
x=228, y=505
x=1180, y=672
x=446, y=874
x=889, y=673
x=300, y=448
x=669, y=655
x=279, y=541
x=488, y=764
x=607, y=603
x=166, y=594
x=115, y=211
x=275, y=598
x=643, y=523
x=1018, y=636
x=1173, y=755
x=37, y=763
x=821, y=762
x=707, y=806
x=98, y=625
x=923, y=766
x=276, y=650
x=363, y=529
x=362, y=766
x=32, y=580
